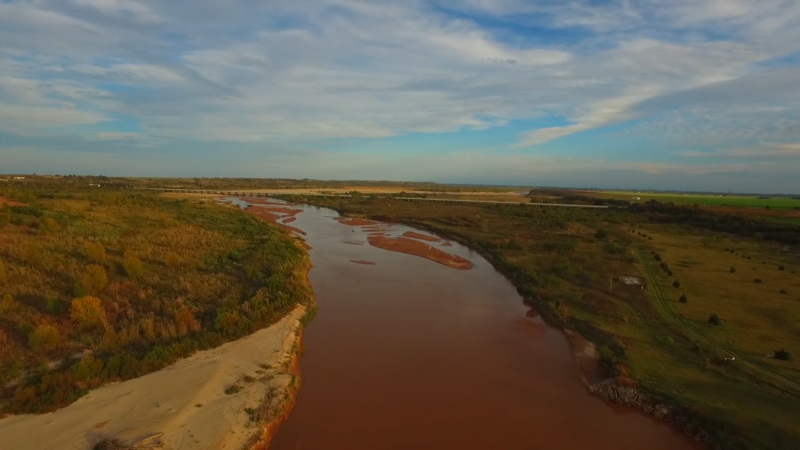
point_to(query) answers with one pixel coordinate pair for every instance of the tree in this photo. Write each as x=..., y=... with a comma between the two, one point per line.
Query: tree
x=44, y=338
x=133, y=266
x=8, y=305
x=91, y=281
x=95, y=252
x=49, y=225
x=781, y=268
x=186, y=321
x=683, y=299
x=783, y=355
x=676, y=284
x=733, y=269
x=88, y=369
x=714, y=319
x=86, y=313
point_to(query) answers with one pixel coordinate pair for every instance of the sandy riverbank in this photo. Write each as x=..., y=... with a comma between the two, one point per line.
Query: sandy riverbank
x=417, y=248
x=182, y=407
x=275, y=214
x=358, y=222
x=420, y=236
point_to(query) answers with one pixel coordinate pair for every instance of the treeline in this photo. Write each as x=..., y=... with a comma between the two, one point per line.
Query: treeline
x=104, y=285
x=98, y=182
x=658, y=212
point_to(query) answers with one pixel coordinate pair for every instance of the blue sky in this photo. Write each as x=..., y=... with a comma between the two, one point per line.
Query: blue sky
x=679, y=94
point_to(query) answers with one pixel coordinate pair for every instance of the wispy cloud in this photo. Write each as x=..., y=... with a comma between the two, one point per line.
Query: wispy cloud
x=712, y=75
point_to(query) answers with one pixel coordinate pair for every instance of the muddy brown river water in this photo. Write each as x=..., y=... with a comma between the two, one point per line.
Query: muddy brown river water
x=406, y=353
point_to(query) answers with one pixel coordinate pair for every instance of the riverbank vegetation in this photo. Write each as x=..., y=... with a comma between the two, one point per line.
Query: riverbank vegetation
x=104, y=283
x=654, y=333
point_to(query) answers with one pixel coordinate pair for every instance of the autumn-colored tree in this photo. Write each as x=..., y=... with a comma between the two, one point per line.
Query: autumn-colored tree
x=44, y=338
x=49, y=225
x=86, y=313
x=8, y=305
x=95, y=252
x=172, y=260
x=91, y=281
x=132, y=265
x=186, y=321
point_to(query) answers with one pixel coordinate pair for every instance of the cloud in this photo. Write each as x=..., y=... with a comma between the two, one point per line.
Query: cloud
x=30, y=120
x=711, y=76
x=762, y=152
x=137, y=11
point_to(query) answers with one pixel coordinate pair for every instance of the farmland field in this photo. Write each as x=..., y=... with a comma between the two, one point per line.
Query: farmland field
x=703, y=199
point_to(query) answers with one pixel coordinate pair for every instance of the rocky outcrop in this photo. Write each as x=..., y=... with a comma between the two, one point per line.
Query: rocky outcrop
x=609, y=390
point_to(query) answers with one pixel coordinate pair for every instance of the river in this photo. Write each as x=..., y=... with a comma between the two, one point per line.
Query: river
x=406, y=353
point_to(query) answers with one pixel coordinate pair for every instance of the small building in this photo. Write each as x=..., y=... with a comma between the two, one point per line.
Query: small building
x=633, y=282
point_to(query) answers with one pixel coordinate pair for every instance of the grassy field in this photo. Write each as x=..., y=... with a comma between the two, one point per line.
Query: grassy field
x=561, y=261
x=703, y=199
x=132, y=279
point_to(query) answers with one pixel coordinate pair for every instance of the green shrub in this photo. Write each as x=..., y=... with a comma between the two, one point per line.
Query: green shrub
x=133, y=266
x=95, y=252
x=782, y=355
x=733, y=269
x=683, y=299
x=88, y=369
x=714, y=319
x=781, y=268
x=608, y=359
x=91, y=281
x=54, y=305
x=44, y=338
x=676, y=284
x=232, y=389
x=757, y=280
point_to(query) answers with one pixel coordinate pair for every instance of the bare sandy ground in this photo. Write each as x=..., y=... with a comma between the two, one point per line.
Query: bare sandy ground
x=182, y=407
x=274, y=215
x=355, y=222
x=586, y=356
x=417, y=248
x=422, y=237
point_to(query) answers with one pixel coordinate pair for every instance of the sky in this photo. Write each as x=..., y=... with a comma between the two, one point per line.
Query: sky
x=650, y=94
